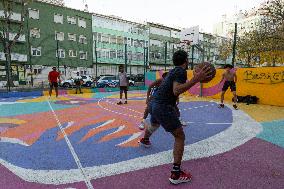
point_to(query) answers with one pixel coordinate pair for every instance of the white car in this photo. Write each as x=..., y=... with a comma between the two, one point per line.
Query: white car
x=110, y=81
x=87, y=82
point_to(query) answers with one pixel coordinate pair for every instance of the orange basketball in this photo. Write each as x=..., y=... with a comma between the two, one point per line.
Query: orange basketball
x=198, y=67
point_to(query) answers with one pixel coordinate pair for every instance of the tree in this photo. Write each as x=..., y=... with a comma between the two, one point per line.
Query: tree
x=8, y=41
x=265, y=43
x=225, y=49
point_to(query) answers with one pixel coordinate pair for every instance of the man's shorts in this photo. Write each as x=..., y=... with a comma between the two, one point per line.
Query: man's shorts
x=53, y=84
x=165, y=115
x=230, y=84
x=123, y=88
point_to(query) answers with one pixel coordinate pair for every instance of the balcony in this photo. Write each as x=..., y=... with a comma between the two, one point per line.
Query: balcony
x=15, y=57
x=22, y=38
x=14, y=16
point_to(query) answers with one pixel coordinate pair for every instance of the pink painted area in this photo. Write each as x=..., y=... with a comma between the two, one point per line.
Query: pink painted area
x=255, y=165
x=10, y=181
x=148, y=82
x=102, y=90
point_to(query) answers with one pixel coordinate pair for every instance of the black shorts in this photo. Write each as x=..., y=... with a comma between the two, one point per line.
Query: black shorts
x=164, y=115
x=123, y=88
x=53, y=84
x=230, y=84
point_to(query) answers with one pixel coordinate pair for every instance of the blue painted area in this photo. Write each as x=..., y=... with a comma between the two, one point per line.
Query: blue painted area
x=28, y=108
x=273, y=132
x=20, y=94
x=45, y=154
x=49, y=154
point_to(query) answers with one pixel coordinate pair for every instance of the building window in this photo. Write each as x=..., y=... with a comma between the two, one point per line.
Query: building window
x=36, y=51
x=82, y=39
x=105, y=38
x=113, y=39
x=82, y=23
x=58, y=18
x=34, y=14
x=71, y=20
x=83, y=55
x=59, y=36
x=72, y=53
x=61, y=53
x=71, y=37
x=112, y=54
x=35, y=32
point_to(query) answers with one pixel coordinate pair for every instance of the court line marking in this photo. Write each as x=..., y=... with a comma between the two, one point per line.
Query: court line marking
x=71, y=148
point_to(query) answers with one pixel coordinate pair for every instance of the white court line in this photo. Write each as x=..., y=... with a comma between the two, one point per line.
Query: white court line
x=110, y=102
x=128, y=115
x=75, y=156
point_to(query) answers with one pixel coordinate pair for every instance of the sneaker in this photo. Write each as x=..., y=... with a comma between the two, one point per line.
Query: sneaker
x=125, y=102
x=119, y=103
x=235, y=106
x=183, y=123
x=145, y=143
x=142, y=126
x=221, y=106
x=180, y=177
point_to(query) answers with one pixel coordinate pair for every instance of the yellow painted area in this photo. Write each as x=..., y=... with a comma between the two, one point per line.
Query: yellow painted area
x=44, y=98
x=261, y=113
x=12, y=121
x=265, y=83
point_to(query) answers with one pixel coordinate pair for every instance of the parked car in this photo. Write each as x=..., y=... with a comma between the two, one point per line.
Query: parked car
x=111, y=81
x=87, y=82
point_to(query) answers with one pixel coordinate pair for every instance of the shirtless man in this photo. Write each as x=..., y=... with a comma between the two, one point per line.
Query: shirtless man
x=230, y=81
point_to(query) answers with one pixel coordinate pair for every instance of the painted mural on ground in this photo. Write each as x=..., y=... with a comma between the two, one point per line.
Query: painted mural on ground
x=104, y=136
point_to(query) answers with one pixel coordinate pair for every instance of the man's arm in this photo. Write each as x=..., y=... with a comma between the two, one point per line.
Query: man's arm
x=49, y=77
x=200, y=76
x=152, y=85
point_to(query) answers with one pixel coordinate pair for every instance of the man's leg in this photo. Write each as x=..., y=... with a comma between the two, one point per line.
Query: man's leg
x=179, y=145
x=222, y=99
x=146, y=112
x=56, y=91
x=235, y=100
x=50, y=89
x=120, y=102
x=150, y=129
x=125, y=95
x=77, y=86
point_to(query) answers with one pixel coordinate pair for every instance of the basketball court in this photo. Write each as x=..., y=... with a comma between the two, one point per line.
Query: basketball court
x=88, y=141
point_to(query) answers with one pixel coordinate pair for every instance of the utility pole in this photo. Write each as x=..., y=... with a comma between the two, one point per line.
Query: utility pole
x=96, y=57
x=144, y=68
x=57, y=44
x=234, y=45
x=192, y=57
x=125, y=58
x=29, y=52
x=166, y=52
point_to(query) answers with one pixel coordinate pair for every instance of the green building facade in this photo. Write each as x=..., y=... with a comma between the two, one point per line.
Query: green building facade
x=163, y=42
x=118, y=42
x=49, y=30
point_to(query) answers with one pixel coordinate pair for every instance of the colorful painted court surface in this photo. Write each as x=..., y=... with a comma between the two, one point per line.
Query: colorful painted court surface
x=87, y=141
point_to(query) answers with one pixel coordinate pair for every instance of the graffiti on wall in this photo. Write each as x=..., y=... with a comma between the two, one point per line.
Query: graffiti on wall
x=263, y=77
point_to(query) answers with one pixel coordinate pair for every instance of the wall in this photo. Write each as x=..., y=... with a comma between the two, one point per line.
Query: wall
x=265, y=83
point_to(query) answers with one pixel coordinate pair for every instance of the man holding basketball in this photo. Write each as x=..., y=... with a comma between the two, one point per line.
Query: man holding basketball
x=230, y=81
x=163, y=112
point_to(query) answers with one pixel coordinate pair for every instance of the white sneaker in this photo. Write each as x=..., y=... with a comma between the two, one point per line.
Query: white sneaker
x=184, y=124
x=142, y=125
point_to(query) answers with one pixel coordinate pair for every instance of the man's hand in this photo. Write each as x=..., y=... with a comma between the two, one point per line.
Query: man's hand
x=203, y=74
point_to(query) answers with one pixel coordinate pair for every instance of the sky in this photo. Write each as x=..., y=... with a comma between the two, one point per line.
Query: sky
x=174, y=13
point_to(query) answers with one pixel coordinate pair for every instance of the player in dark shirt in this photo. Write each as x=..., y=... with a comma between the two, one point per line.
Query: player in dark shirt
x=163, y=112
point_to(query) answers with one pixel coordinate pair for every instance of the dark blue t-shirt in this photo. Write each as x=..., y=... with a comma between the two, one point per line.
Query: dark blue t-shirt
x=165, y=94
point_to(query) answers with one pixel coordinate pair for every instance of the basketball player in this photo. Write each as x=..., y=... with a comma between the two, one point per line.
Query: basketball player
x=230, y=81
x=162, y=110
